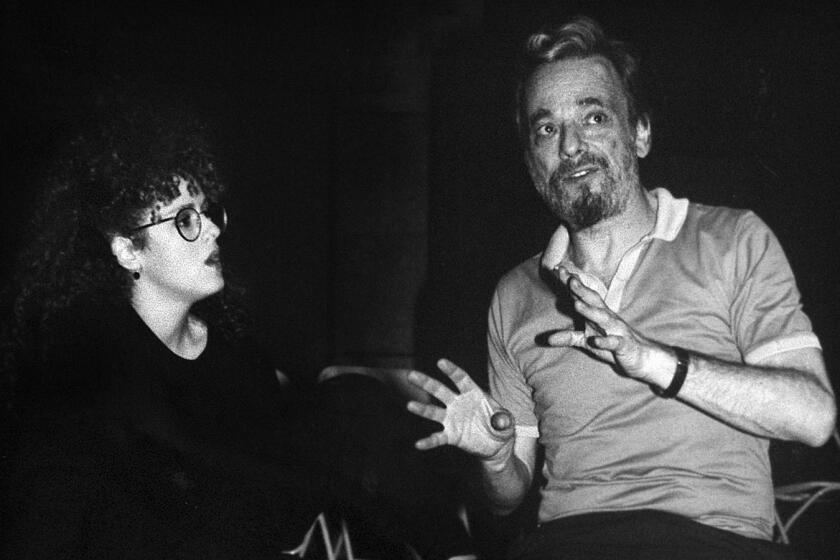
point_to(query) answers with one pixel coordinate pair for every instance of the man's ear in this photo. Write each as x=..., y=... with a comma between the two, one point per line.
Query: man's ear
x=643, y=137
x=128, y=256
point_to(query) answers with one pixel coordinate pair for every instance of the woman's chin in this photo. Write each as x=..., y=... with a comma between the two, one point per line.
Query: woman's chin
x=212, y=288
x=220, y=285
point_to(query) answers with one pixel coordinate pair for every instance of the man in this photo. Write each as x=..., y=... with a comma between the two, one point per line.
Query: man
x=653, y=349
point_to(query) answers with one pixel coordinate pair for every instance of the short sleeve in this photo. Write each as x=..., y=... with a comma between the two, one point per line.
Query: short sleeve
x=507, y=384
x=766, y=310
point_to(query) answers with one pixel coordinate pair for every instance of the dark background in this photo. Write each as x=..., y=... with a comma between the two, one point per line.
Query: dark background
x=377, y=186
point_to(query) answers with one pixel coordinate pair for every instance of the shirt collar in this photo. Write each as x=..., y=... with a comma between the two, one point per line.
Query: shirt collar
x=670, y=216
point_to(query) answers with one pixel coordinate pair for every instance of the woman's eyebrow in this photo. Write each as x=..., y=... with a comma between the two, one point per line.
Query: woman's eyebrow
x=174, y=211
x=194, y=204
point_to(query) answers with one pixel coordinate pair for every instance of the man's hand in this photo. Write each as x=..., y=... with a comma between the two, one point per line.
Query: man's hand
x=471, y=419
x=616, y=342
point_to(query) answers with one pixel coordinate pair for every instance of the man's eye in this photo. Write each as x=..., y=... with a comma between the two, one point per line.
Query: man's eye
x=596, y=118
x=546, y=129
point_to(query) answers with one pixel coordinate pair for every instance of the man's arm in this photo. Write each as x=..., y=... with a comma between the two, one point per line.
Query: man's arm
x=507, y=481
x=475, y=423
x=788, y=396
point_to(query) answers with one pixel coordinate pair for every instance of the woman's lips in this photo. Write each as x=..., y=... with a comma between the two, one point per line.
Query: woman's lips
x=214, y=259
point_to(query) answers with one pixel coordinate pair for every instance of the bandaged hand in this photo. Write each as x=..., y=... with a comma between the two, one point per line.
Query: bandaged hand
x=471, y=419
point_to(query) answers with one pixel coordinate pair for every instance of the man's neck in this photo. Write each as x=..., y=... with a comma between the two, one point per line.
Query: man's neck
x=599, y=249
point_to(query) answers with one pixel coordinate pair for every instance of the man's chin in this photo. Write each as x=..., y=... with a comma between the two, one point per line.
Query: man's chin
x=588, y=212
x=581, y=223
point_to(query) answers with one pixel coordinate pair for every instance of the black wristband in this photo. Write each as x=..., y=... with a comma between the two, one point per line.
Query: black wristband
x=679, y=375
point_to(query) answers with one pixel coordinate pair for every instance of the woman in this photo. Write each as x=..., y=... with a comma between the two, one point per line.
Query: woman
x=147, y=422
x=144, y=419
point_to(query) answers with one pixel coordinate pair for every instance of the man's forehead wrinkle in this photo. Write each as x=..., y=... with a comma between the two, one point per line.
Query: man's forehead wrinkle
x=575, y=81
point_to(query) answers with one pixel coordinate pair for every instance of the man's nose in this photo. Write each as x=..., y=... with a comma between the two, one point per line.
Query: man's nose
x=570, y=142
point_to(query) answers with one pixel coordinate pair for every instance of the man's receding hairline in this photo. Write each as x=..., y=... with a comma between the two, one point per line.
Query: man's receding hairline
x=612, y=72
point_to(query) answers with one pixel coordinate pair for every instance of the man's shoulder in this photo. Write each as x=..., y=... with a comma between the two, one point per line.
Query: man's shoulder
x=720, y=219
x=703, y=208
x=524, y=297
x=522, y=275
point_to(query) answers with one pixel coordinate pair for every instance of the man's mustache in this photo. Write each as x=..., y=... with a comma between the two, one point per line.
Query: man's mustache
x=567, y=167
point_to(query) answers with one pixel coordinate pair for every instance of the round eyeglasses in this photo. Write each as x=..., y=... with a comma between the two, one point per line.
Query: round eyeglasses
x=188, y=221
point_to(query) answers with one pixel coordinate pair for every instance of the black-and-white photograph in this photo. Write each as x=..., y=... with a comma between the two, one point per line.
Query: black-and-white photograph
x=419, y=280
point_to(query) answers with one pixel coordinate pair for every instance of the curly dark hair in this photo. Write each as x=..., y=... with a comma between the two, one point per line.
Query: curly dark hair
x=104, y=184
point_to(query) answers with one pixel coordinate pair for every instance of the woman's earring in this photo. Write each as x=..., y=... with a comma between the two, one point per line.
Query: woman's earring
x=136, y=275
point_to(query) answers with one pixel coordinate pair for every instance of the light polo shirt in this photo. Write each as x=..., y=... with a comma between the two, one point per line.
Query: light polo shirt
x=710, y=279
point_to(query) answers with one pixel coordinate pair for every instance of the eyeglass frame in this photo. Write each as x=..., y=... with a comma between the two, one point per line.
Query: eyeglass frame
x=213, y=205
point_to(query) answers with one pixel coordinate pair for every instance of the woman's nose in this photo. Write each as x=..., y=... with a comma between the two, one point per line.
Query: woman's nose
x=210, y=229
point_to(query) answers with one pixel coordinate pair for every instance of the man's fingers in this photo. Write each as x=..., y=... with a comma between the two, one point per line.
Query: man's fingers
x=561, y=273
x=567, y=338
x=435, y=440
x=427, y=411
x=463, y=381
x=432, y=386
x=599, y=317
x=579, y=290
x=610, y=343
x=587, y=295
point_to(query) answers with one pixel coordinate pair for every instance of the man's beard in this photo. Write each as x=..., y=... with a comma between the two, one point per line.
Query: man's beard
x=579, y=203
